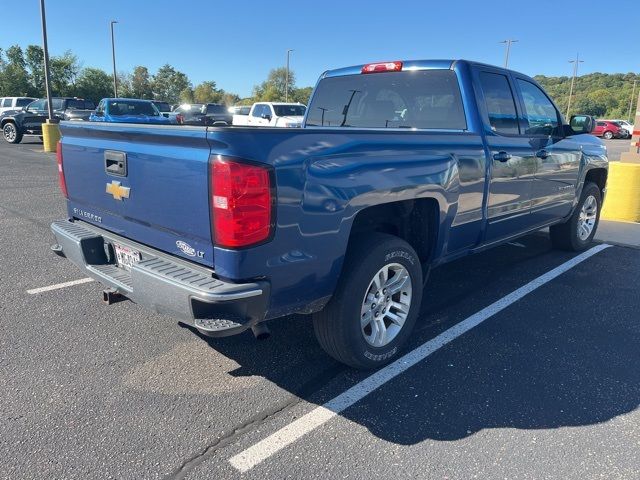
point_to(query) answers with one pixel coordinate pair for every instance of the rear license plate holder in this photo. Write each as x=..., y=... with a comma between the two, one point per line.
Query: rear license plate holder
x=126, y=257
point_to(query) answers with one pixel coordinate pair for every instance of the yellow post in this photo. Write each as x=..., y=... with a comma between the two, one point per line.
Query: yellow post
x=623, y=192
x=50, y=136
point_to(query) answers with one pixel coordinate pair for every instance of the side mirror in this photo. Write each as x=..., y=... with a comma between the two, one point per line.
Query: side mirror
x=266, y=117
x=582, y=123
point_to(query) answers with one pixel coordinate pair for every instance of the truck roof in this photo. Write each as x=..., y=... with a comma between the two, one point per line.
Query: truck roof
x=406, y=65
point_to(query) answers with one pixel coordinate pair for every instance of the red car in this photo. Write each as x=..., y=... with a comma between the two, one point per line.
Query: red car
x=609, y=130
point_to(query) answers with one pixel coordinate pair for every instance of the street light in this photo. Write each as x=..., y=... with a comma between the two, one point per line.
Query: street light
x=508, y=44
x=286, y=85
x=45, y=49
x=113, y=56
x=573, y=80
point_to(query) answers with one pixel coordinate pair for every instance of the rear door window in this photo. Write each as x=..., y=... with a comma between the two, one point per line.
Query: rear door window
x=425, y=99
x=500, y=103
x=6, y=102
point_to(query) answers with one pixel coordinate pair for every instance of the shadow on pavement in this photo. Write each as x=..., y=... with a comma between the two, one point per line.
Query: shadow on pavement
x=565, y=355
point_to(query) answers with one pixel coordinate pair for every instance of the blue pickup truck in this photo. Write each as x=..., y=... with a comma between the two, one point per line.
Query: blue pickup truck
x=399, y=167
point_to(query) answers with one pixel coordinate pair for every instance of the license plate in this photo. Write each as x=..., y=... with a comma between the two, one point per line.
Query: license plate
x=125, y=256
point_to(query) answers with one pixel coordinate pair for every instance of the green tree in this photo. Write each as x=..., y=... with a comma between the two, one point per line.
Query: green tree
x=186, y=96
x=168, y=83
x=64, y=72
x=273, y=88
x=94, y=84
x=206, y=92
x=141, y=83
x=14, y=79
x=302, y=95
x=34, y=57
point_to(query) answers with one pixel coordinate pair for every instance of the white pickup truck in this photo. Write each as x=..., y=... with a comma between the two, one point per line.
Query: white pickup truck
x=274, y=114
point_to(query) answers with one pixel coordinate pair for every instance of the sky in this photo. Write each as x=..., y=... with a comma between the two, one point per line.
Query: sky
x=236, y=43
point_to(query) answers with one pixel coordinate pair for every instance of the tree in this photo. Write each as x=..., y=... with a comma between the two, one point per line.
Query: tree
x=64, y=72
x=34, y=57
x=14, y=79
x=141, y=83
x=168, y=83
x=186, y=95
x=273, y=88
x=94, y=84
x=302, y=95
x=206, y=92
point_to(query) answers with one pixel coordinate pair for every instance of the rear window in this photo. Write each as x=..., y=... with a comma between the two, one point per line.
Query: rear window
x=413, y=99
x=213, y=108
x=120, y=108
x=163, y=106
x=289, y=110
x=23, y=102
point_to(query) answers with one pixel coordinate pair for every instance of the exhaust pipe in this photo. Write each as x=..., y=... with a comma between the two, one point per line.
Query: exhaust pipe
x=261, y=331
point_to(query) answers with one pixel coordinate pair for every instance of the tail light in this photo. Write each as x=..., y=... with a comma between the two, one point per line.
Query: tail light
x=241, y=202
x=382, y=67
x=61, y=180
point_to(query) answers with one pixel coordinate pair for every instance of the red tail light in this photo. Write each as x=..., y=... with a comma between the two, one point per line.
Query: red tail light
x=382, y=67
x=61, y=180
x=241, y=202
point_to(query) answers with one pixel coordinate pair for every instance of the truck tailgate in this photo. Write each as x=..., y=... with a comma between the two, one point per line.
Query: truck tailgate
x=166, y=172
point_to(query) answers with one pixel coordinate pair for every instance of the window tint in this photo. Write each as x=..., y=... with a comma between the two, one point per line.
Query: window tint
x=6, y=102
x=501, y=106
x=75, y=104
x=289, y=110
x=215, y=108
x=412, y=99
x=119, y=108
x=163, y=106
x=56, y=103
x=23, y=102
x=38, y=105
x=257, y=111
x=538, y=109
x=601, y=124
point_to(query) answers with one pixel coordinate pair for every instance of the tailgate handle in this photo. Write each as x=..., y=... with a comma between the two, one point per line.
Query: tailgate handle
x=115, y=163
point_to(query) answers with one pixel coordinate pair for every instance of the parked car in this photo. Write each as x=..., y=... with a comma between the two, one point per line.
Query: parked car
x=205, y=114
x=16, y=124
x=626, y=125
x=608, y=129
x=14, y=103
x=272, y=114
x=128, y=110
x=400, y=167
x=190, y=112
x=78, y=109
x=240, y=114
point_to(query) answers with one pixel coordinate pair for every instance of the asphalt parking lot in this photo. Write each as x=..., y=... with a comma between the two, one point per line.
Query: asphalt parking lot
x=615, y=147
x=545, y=385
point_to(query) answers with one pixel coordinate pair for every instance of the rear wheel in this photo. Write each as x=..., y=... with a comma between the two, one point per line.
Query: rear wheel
x=577, y=233
x=10, y=133
x=375, y=305
x=608, y=135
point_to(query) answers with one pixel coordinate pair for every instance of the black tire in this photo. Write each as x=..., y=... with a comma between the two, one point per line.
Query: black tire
x=608, y=135
x=338, y=327
x=10, y=133
x=565, y=236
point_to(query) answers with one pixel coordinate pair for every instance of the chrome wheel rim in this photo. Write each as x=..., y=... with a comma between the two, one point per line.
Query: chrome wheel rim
x=9, y=132
x=386, y=305
x=587, y=217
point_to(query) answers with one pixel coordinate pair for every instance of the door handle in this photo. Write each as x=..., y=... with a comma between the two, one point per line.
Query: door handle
x=542, y=154
x=502, y=157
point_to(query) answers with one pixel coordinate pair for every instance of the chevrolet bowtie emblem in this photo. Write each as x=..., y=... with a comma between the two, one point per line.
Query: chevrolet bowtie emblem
x=118, y=191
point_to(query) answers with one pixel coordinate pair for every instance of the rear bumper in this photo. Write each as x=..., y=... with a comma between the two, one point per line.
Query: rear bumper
x=164, y=283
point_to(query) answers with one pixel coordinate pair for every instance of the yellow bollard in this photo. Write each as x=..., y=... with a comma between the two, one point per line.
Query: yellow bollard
x=623, y=192
x=50, y=136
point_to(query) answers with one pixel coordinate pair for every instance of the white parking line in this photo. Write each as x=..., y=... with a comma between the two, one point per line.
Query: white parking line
x=57, y=286
x=265, y=448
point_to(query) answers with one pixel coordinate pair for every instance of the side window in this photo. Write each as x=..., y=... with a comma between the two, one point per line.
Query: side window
x=38, y=105
x=538, y=110
x=601, y=124
x=501, y=106
x=268, y=110
x=6, y=102
x=257, y=112
x=100, y=110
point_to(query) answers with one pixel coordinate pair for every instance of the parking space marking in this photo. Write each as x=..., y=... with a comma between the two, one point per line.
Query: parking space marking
x=57, y=286
x=277, y=441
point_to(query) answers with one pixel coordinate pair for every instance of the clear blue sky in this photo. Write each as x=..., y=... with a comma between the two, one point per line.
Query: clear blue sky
x=237, y=42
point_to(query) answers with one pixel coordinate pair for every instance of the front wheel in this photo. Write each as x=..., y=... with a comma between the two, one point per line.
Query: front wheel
x=376, y=303
x=577, y=233
x=10, y=133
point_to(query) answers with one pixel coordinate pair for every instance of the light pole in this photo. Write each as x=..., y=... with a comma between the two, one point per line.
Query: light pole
x=45, y=49
x=633, y=94
x=508, y=43
x=113, y=56
x=575, y=62
x=286, y=85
